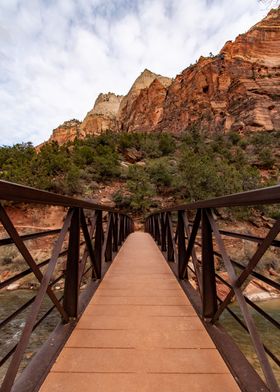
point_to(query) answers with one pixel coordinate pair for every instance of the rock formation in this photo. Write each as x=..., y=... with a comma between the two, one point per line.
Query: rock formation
x=141, y=109
x=236, y=90
x=68, y=131
x=103, y=116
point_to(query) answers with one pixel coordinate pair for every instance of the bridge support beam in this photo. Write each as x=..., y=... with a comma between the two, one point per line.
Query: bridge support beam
x=209, y=296
x=115, y=232
x=170, y=248
x=163, y=232
x=71, y=289
x=98, y=242
x=182, y=254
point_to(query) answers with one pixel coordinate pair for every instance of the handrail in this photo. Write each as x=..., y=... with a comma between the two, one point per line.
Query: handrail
x=82, y=251
x=268, y=195
x=178, y=240
x=20, y=193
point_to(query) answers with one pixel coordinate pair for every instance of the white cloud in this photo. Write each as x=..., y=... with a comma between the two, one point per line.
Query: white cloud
x=57, y=56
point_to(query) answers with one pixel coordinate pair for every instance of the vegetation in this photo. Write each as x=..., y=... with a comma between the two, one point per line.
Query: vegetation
x=150, y=167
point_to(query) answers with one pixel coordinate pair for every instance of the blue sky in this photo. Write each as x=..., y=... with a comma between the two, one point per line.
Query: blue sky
x=56, y=56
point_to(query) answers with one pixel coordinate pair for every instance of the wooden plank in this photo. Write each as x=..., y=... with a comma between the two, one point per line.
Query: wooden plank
x=139, y=333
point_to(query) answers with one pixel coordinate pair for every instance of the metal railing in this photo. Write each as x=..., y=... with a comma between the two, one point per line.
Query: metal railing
x=88, y=240
x=191, y=240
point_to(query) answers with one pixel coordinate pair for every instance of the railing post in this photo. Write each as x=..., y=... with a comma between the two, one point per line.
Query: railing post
x=181, y=244
x=126, y=227
x=163, y=232
x=123, y=229
x=170, y=250
x=157, y=230
x=98, y=242
x=209, y=294
x=120, y=230
x=115, y=232
x=71, y=289
x=108, y=251
x=149, y=226
x=152, y=227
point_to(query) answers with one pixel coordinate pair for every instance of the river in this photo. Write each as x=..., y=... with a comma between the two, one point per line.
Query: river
x=270, y=335
x=9, y=335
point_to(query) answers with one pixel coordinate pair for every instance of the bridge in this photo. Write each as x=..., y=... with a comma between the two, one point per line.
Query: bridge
x=139, y=311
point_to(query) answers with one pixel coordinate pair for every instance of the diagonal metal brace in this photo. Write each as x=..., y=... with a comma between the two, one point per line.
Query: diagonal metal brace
x=253, y=332
x=11, y=230
x=31, y=319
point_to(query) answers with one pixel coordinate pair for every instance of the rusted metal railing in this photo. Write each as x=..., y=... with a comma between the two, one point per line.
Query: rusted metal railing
x=88, y=240
x=191, y=240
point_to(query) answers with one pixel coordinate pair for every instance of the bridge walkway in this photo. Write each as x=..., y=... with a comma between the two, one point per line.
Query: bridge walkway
x=139, y=333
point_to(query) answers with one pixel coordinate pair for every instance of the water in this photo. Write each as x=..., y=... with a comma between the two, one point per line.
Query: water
x=270, y=335
x=11, y=332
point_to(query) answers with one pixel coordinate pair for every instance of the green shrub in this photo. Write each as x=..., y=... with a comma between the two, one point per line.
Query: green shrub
x=160, y=172
x=190, y=166
x=266, y=158
x=167, y=144
x=121, y=200
x=140, y=188
x=234, y=137
x=15, y=163
x=250, y=177
x=200, y=177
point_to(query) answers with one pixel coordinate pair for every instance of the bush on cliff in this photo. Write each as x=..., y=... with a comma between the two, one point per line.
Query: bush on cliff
x=15, y=162
x=141, y=189
x=188, y=167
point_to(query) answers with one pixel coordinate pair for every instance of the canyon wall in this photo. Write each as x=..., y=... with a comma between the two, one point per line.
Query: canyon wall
x=236, y=90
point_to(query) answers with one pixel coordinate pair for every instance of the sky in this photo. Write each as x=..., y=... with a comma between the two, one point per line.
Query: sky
x=56, y=56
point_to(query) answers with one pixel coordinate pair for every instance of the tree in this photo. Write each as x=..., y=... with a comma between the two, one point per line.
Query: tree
x=201, y=177
x=140, y=188
x=161, y=172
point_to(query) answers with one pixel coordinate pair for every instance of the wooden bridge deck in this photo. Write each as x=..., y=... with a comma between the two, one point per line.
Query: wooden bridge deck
x=139, y=333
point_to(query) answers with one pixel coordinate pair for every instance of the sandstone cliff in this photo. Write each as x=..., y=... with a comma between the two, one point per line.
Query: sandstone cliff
x=239, y=89
x=103, y=116
x=141, y=109
x=236, y=90
x=67, y=131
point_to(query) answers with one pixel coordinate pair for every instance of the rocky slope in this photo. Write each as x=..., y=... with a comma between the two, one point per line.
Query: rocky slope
x=237, y=90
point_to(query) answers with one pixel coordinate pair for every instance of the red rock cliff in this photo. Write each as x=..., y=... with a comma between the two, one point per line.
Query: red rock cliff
x=103, y=116
x=141, y=109
x=67, y=131
x=238, y=90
